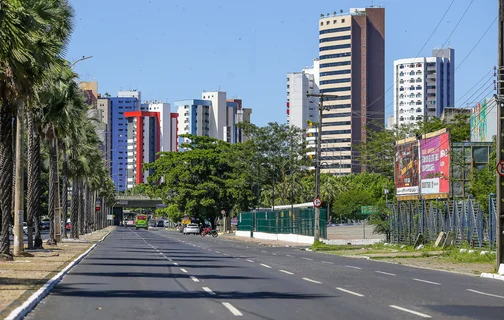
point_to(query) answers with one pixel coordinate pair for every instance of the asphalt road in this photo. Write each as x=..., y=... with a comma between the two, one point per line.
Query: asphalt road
x=161, y=274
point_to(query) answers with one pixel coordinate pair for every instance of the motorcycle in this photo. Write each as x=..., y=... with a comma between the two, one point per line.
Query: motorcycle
x=209, y=231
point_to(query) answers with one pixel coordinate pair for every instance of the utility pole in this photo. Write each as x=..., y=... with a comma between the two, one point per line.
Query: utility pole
x=322, y=96
x=500, y=141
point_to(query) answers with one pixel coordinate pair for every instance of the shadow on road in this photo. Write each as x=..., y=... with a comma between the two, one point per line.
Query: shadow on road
x=127, y=275
x=469, y=312
x=167, y=264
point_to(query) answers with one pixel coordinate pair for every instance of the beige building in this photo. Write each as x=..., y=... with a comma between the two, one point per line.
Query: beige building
x=352, y=66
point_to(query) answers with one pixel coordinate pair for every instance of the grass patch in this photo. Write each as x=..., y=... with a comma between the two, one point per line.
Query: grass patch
x=454, y=255
x=320, y=246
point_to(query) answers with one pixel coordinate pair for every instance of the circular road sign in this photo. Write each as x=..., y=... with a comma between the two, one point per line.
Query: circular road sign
x=500, y=168
x=317, y=202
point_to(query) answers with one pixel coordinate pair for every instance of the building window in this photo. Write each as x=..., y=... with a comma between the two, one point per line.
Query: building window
x=412, y=65
x=419, y=87
x=401, y=103
x=401, y=81
x=401, y=96
x=419, y=103
x=336, y=55
x=401, y=73
x=339, y=46
x=412, y=103
x=412, y=73
x=412, y=80
x=418, y=110
x=335, y=64
x=335, y=21
x=419, y=80
x=342, y=20
x=419, y=65
x=418, y=95
x=335, y=30
x=401, y=89
x=418, y=72
x=321, y=24
x=411, y=95
x=327, y=23
x=401, y=66
x=412, y=88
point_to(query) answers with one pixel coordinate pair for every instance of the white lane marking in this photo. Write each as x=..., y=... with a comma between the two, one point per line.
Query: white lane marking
x=233, y=310
x=265, y=265
x=207, y=289
x=238, y=258
x=217, y=252
x=327, y=262
x=310, y=280
x=226, y=254
x=183, y=270
x=288, y=255
x=423, y=315
x=307, y=259
x=250, y=260
x=161, y=253
x=286, y=272
x=351, y=292
x=169, y=259
x=388, y=274
x=264, y=251
x=175, y=264
x=194, y=279
x=430, y=282
x=354, y=267
x=274, y=254
x=486, y=294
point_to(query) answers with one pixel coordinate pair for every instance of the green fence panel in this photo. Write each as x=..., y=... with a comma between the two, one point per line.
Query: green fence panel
x=245, y=220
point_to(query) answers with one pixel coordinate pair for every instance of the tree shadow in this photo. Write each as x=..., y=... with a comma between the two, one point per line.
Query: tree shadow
x=128, y=275
x=68, y=291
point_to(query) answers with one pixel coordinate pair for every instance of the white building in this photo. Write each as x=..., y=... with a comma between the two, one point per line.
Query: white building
x=423, y=86
x=300, y=108
x=218, y=112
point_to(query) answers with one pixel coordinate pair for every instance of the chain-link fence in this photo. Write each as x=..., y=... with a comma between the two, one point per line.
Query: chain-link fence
x=299, y=221
x=462, y=221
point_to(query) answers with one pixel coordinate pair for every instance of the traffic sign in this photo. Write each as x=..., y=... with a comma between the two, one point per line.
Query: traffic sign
x=317, y=203
x=500, y=168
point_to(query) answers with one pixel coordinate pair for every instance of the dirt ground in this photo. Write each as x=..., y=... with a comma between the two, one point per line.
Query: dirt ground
x=22, y=277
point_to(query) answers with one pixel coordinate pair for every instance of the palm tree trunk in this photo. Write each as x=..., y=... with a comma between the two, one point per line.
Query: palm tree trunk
x=34, y=186
x=89, y=212
x=53, y=188
x=81, y=207
x=86, y=205
x=14, y=129
x=5, y=179
x=74, y=209
x=65, y=193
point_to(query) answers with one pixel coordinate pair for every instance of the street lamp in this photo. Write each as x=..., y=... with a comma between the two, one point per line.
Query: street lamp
x=317, y=161
x=79, y=60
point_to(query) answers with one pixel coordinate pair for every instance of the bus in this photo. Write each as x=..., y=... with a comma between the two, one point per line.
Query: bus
x=141, y=222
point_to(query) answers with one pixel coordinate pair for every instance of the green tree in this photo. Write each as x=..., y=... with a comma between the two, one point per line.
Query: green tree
x=32, y=35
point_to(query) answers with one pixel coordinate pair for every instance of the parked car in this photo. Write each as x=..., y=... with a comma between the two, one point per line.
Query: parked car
x=192, y=228
x=160, y=224
x=44, y=224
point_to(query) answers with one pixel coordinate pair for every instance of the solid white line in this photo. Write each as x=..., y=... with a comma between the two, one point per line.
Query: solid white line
x=194, y=279
x=286, y=272
x=310, y=280
x=307, y=259
x=327, y=262
x=486, y=294
x=354, y=267
x=288, y=255
x=437, y=284
x=266, y=266
x=351, y=292
x=233, y=310
x=175, y=264
x=411, y=311
x=388, y=274
x=249, y=260
x=207, y=289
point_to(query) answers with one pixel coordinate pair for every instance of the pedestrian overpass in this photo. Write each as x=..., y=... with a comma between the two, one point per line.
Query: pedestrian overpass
x=132, y=201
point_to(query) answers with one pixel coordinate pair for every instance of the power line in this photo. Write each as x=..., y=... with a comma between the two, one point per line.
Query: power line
x=477, y=43
x=476, y=85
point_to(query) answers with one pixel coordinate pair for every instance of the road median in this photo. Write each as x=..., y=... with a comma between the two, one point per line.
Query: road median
x=23, y=278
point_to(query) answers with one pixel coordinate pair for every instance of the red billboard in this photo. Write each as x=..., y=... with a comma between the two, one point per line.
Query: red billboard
x=406, y=167
x=435, y=163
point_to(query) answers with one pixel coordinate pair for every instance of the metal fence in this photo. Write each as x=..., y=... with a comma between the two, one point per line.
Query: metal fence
x=463, y=220
x=300, y=221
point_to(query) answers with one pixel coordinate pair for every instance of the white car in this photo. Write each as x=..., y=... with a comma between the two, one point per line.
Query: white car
x=192, y=228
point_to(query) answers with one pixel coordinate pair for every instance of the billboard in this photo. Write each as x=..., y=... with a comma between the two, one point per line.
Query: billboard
x=406, y=167
x=435, y=163
x=483, y=121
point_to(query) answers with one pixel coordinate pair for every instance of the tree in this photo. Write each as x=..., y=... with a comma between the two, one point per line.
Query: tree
x=33, y=33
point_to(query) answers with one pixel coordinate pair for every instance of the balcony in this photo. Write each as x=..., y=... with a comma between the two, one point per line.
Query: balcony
x=431, y=76
x=431, y=91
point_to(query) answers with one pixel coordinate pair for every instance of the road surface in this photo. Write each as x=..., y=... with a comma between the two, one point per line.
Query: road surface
x=166, y=275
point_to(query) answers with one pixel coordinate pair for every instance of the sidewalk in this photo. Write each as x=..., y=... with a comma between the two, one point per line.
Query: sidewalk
x=20, y=278
x=269, y=243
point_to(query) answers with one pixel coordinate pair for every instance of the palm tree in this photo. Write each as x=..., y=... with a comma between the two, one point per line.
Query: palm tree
x=32, y=35
x=33, y=173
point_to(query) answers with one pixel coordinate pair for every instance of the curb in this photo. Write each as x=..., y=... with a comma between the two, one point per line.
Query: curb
x=492, y=276
x=23, y=310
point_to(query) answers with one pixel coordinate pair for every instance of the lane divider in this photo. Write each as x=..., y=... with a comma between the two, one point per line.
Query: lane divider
x=194, y=279
x=386, y=273
x=209, y=291
x=423, y=315
x=284, y=271
x=183, y=270
x=350, y=292
x=486, y=294
x=429, y=282
x=354, y=267
x=232, y=309
x=310, y=280
x=265, y=265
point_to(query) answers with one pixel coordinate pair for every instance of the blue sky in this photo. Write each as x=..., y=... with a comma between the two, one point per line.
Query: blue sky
x=173, y=50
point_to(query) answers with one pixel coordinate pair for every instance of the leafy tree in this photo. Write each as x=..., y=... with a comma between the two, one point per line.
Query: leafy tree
x=484, y=182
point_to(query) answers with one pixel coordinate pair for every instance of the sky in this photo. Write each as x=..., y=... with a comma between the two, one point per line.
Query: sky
x=174, y=50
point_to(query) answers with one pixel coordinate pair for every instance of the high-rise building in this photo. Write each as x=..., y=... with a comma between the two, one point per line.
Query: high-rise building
x=135, y=132
x=213, y=116
x=424, y=86
x=352, y=66
x=300, y=107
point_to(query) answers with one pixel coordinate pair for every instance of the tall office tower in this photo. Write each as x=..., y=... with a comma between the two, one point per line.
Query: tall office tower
x=352, y=66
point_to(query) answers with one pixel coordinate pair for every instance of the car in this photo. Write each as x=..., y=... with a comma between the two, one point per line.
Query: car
x=160, y=224
x=45, y=224
x=192, y=228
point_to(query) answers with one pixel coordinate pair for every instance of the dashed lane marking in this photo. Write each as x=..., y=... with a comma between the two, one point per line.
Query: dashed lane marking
x=310, y=280
x=354, y=267
x=183, y=270
x=265, y=265
x=486, y=294
x=350, y=292
x=425, y=281
x=423, y=315
x=231, y=308
x=194, y=279
x=327, y=262
x=284, y=271
x=388, y=274
x=207, y=289
x=250, y=260
x=307, y=259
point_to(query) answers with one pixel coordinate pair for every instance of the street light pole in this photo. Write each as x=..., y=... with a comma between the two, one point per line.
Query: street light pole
x=317, y=161
x=500, y=141
x=79, y=60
